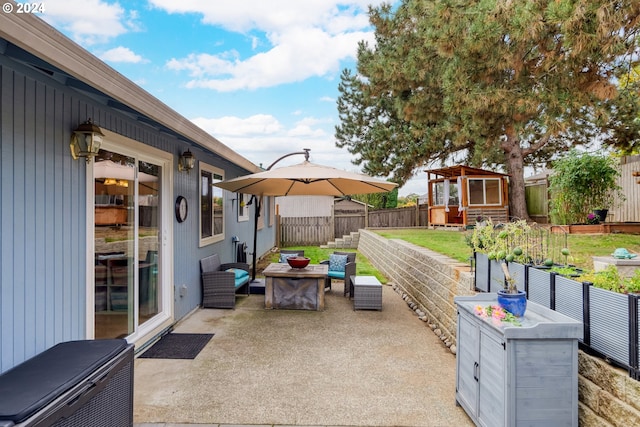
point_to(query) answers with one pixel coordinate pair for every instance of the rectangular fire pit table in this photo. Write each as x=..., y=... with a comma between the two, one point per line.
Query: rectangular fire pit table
x=295, y=288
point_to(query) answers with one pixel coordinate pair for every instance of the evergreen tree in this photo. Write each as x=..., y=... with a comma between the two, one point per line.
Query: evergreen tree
x=489, y=83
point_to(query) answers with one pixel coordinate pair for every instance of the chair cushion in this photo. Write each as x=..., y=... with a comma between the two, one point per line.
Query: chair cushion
x=239, y=273
x=240, y=281
x=283, y=257
x=336, y=274
x=337, y=262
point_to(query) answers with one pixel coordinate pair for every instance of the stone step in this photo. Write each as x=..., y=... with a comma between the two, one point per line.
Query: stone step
x=348, y=241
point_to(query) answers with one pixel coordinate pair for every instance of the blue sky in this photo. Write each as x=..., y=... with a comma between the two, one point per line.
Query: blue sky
x=259, y=75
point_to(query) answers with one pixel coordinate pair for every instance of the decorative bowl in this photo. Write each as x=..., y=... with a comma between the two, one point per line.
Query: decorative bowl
x=298, y=261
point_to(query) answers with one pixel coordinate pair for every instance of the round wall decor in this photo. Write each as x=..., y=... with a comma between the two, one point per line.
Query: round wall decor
x=182, y=209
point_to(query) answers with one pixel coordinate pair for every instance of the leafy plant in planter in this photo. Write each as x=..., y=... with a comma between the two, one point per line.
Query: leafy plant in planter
x=509, y=241
x=581, y=183
x=567, y=271
x=610, y=279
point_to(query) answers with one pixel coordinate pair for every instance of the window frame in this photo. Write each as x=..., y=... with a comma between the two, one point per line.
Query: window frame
x=213, y=171
x=484, y=191
x=243, y=209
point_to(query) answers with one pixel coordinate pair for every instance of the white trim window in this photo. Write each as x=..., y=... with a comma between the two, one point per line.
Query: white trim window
x=243, y=209
x=485, y=191
x=211, y=205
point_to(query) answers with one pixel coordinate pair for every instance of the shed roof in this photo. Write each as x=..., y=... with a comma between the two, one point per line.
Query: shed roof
x=461, y=170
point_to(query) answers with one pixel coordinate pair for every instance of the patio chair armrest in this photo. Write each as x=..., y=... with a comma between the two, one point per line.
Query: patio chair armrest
x=218, y=279
x=349, y=270
x=325, y=261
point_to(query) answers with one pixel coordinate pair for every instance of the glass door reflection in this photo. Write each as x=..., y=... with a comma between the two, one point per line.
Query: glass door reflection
x=126, y=244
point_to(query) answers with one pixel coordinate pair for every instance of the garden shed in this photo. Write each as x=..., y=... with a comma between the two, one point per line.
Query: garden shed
x=459, y=195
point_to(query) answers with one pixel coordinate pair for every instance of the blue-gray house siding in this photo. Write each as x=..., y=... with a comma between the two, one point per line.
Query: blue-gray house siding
x=43, y=240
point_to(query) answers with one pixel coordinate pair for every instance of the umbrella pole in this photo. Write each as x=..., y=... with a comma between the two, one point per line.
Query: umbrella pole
x=305, y=152
x=255, y=237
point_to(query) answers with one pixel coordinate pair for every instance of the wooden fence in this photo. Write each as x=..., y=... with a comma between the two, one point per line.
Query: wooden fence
x=537, y=198
x=311, y=231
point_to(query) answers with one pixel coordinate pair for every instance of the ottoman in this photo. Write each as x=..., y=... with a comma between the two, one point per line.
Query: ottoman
x=367, y=293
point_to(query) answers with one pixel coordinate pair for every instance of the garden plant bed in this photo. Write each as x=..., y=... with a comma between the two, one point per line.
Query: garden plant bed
x=610, y=320
x=604, y=228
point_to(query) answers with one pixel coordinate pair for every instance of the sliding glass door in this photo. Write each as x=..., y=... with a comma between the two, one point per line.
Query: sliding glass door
x=128, y=261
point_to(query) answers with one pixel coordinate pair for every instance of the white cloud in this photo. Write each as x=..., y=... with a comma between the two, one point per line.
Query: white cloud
x=89, y=21
x=259, y=124
x=263, y=139
x=122, y=54
x=306, y=38
x=299, y=55
x=273, y=16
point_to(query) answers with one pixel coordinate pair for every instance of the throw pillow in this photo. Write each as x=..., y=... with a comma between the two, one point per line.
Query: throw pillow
x=238, y=272
x=283, y=257
x=337, y=262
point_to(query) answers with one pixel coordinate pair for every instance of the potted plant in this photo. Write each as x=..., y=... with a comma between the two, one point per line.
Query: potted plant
x=593, y=218
x=510, y=297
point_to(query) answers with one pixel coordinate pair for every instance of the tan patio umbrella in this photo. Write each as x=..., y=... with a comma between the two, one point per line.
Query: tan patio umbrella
x=110, y=169
x=306, y=179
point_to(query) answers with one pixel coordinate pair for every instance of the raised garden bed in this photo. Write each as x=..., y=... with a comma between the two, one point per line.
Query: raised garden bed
x=602, y=228
x=611, y=320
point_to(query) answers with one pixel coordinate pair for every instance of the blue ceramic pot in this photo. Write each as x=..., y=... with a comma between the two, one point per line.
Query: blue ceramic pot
x=515, y=304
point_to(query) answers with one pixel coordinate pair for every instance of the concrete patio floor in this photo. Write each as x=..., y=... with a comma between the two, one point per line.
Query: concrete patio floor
x=337, y=367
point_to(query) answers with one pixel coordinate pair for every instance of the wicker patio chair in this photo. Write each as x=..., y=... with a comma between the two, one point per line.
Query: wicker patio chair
x=342, y=274
x=220, y=282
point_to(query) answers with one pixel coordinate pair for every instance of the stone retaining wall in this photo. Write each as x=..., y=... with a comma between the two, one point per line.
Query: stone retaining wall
x=429, y=281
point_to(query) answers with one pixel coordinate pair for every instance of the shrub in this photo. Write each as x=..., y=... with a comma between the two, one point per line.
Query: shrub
x=582, y=182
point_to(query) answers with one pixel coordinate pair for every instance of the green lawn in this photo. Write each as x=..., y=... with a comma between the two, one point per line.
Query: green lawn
x=582, y=247
x=452, y=243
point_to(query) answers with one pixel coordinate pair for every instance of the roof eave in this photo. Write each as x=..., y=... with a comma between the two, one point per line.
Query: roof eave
x=40, y=39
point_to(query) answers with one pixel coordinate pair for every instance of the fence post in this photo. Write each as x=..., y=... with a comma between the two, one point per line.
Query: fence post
x=475, y=274
x=366, y=215
x=634, y=370
x=586, y=315
x=333, y=221
x=552, y=291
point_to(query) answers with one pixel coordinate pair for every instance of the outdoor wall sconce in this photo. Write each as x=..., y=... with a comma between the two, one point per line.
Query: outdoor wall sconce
x=86, y=141
x=186, y=161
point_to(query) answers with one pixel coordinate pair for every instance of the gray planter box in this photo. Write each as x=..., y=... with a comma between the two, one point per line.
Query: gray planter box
x=569, y=298
x=482, y=272
x=609, y=323
x=540, y=287
x=518, y=272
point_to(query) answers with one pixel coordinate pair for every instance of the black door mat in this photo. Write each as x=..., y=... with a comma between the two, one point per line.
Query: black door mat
x=177, y=346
